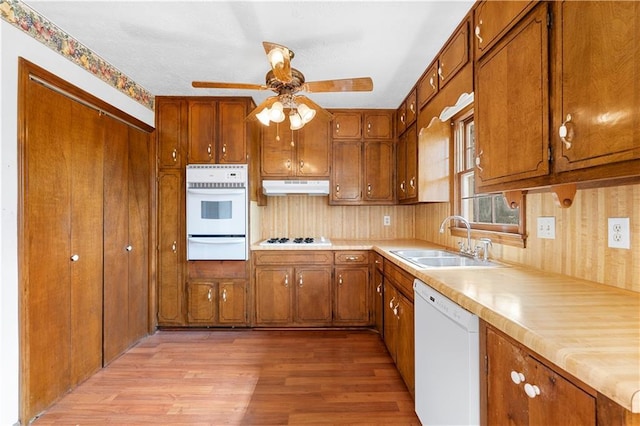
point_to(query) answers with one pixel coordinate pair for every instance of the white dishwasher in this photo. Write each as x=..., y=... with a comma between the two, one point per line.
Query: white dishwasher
x=447, y=388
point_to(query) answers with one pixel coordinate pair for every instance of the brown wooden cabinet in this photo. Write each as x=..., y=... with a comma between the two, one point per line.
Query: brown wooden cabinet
x=428, y=85
x=170, y=248
x=398, y=321
x=201, y=306
x=291, y=295
x=492, y=20
x=351, y=289
x=346, y=125
x=218, y=302
x=126, y=228
x=511, y=113
x=407, y=112
x=377, y=280
x=217, y=130
x=171, y=131
x=303, y=153
x=521, y=389
x=596, y=74
x=362, y=166
x=232, y=302
x=407, y=166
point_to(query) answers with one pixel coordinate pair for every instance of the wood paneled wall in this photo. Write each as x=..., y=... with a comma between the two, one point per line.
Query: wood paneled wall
x=580, y=247
x=302, y=215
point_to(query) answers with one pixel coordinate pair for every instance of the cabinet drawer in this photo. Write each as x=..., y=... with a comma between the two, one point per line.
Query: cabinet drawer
x=401, y=279
x=290, y=257
x=209, y=269
x=351, y=258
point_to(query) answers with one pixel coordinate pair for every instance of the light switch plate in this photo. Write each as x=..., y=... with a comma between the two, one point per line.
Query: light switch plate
x=618, y=232
x=547, y=227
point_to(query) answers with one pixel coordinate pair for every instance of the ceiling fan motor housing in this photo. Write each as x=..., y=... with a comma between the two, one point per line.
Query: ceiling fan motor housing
x=282, y=88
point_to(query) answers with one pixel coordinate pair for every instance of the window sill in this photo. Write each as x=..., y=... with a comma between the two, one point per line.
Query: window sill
x=505, y=238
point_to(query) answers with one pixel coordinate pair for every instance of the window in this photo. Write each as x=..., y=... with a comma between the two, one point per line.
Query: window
x=487, y=213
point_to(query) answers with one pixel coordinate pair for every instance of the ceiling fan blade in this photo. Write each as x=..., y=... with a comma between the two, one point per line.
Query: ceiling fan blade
x=267, y=103
x=280, y=60
x=308, y=102
x=362, y=84
x=218, y=85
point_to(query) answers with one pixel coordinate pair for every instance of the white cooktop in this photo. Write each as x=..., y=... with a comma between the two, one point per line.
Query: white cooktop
x=297, y=241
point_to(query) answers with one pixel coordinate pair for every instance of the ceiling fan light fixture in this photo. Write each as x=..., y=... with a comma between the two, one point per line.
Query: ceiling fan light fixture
x=276, y=57
x=295, y=120
x=276, y=114
x=306, y=113
x=264, y=116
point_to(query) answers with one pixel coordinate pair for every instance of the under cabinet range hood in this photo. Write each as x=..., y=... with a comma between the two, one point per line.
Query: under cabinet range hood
x=285, y=187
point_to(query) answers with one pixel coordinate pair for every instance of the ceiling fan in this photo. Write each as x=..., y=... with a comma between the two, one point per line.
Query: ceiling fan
x=287, y=82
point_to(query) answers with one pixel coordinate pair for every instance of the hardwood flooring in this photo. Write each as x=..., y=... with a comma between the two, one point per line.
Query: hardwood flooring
x=243, y=377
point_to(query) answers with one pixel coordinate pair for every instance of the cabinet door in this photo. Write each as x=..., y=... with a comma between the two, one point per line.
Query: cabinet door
x=232, y=305
x=401, y=167
x=312, y=153
x=411, y=107
x=378, y=301
x=202, y=120
x=512, y=105
x=347, y=171
x=378, y=170
x=273, y=295
x=170, y=251
x=492, y=19
x=378, y=125
x=313, y=295
x=401, y=118
x=412, y=163
x=405, y=342
x=347, y=125
x=506, y=402
x=454, y=56
x=598, y=68
x=390, y=320
x=201, y=303
x=351, y=296
x=171, y=130
x=232, y=137
x=277, y=152
x=428, y=85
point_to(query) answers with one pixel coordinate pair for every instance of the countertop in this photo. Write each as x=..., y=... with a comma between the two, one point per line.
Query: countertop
x=590, y=330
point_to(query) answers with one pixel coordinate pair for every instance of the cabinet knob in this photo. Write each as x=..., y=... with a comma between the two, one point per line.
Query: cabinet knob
x=531, y=390
x=174, y=246
x=174, y=155
x=566, y=132
x=477, y=32
x=517, y=377
x=224, y=295
x=128, y=248
x=75, y=258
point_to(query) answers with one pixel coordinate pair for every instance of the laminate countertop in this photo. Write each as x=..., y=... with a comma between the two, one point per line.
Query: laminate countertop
x=588, y=329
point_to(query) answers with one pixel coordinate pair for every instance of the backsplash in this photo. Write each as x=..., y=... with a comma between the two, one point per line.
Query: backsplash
x=580, y=247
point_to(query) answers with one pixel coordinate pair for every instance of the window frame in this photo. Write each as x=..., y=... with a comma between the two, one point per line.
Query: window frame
x=513, y=235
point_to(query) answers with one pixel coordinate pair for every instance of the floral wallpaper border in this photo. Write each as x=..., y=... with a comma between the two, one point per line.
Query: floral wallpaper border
x=26, y=19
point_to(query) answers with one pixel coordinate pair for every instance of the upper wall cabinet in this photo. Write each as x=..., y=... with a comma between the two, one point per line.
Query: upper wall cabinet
x=597, y=72
x=407, y=113
x=493, y=19
x=512, y=105
x=171, y=131
x=217, y=131
x=452, y=58
x=347, y=125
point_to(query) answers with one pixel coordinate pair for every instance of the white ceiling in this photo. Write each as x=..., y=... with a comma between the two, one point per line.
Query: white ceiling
x=165, y=45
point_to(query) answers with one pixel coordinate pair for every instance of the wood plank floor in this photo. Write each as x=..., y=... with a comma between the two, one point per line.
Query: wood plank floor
x=244, y=377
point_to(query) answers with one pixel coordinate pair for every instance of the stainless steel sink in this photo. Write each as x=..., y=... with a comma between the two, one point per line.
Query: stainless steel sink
x=441, y=259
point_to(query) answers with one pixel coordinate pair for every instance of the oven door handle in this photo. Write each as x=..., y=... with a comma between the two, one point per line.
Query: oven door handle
x=217, y=240
x=216, y=191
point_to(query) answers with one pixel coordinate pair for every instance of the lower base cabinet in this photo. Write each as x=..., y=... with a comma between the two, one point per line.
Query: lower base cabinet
x=219, y=302
x=352, y=298
x=521, y=390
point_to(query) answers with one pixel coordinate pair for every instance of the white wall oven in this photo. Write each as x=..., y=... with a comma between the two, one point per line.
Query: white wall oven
x=217, y=218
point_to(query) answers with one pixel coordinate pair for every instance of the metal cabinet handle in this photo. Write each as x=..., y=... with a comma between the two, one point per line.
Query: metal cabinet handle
x=379, y=288
x=209, y=150
x=174, y=155
x=224, y=149
x=288, y=163
x=440, y=72
x=75, y=258
x=174, y=246
x=337, y=127
x=432, y=83
x=402, y=184
x=412, y=182
x=224, y=295
x=351, y=258
x=300, y=282
x=128, y=248
x=517, y=377
x=286, y=280
x=340, y=279
x=477, y=32
x=402, y=119
x=301, y=164
x=369, y=127
x=396, y=311
x=209, y=295
x=391, y=302
x=369, y=189
x=566, y=133
x=412, y=107
x=338, y=188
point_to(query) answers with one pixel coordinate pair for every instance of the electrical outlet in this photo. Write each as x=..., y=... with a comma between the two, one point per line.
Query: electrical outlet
x=619, y=233
x=547, y=227
x=386, y=220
